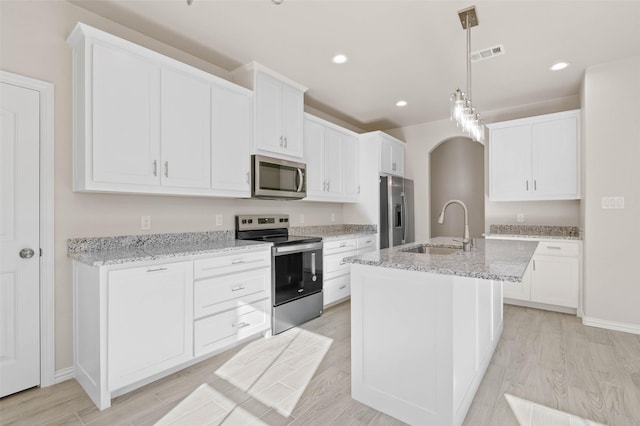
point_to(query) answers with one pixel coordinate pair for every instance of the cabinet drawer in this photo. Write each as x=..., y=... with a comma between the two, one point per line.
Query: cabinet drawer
x=339, y=246
x=219, y=330
x=367, y=244
x=229, y=263
x=334, y=266
x=556, y=248
x=336, y=289
x=213, y=295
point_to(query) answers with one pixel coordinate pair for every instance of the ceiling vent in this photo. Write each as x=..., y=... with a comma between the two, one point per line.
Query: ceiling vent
x=485, y=54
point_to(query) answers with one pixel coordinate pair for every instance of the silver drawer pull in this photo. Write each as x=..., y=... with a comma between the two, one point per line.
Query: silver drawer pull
x=554, y=247
x=343, y=287
x=237, y=261
x=237, y=288
x=156, y=270
x=241, y=325
x=343, y=244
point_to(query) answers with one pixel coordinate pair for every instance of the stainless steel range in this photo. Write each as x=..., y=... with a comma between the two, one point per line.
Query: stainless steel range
x=296, y=269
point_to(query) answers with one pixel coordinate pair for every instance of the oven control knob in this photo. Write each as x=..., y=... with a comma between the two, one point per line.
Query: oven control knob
x=250, y=220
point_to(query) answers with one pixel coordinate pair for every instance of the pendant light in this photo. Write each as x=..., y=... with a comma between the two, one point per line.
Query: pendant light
x=462, y=110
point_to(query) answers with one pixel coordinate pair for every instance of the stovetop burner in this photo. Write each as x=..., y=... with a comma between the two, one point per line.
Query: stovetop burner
x=269, y=228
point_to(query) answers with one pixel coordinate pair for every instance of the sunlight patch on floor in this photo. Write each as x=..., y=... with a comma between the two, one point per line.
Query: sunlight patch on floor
x=531, y=414
x=274, y=371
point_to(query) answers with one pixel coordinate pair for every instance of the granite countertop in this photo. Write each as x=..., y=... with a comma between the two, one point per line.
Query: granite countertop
x=538, y=232
x=500, y=260
x=104, y=251
x=334, y=232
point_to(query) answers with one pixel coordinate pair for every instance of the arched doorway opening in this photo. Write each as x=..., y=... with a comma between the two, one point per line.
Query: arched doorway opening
x=457, y=172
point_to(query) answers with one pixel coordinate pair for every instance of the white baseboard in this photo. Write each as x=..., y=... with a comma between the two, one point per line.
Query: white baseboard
x=63, y=375
x=611, y=325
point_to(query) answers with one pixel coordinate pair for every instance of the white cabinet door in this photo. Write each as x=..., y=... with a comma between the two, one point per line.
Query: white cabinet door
x=555, y=159
x=279, y=116
x=554, y=280
x=150, y=320
x=185, y=130
x=351, y=168
x=510, y=163
x=333, y=162
x=521, y=290
x=292, y=119
x=314, y=133
x=125, y=117
x=231, y=133
x=391, y=155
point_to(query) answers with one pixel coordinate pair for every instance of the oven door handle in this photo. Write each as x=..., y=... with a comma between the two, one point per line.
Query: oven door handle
x=296, y=247
x=313, y=265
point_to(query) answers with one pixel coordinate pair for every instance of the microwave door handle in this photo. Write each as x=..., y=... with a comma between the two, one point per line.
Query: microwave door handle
x=301, y=180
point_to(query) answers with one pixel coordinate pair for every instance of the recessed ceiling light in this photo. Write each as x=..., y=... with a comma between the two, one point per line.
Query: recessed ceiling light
x=401, y=103
x=339, y=59
x=559, y=66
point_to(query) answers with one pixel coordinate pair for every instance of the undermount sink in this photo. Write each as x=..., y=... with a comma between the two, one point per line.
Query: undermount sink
x=431, y=250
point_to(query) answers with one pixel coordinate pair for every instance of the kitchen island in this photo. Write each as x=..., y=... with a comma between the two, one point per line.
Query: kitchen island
x=424, y=325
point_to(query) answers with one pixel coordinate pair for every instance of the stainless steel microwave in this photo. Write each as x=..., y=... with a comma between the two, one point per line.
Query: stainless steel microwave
x=276, y=178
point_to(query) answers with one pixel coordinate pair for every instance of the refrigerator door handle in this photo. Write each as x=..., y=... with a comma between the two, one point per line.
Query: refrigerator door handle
x=404, y=221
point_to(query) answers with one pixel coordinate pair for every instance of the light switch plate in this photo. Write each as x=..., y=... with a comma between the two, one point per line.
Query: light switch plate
x=609, y=202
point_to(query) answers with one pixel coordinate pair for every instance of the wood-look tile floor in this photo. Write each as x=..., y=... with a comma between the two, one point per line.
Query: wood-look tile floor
x=544, y=357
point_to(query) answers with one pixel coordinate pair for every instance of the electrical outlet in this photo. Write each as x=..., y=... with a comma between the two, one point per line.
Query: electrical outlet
x=333, y=217
x=218, y=220
x=145, y=223
x=301, y=218
x=520, y=217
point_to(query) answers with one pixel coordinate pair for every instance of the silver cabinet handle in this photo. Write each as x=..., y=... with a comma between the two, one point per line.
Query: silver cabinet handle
x=328, y=185
x=156, y=269
x=527, y=184
x=237, y=261
x=358, y=189
x=240, y=287
x=26, y=253
x=166, y=169
x=535, y=185
x=554, y=247
x=534, y=264
x=241, y=324
x=282, y=141
x=343, y=287
x=248, y=176
x=155, y=167
x=286, y=142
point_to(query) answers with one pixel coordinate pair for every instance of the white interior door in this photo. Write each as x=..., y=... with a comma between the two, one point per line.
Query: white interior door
x=19, y=236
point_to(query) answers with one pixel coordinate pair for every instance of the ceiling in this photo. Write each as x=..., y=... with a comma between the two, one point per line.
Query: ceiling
x=411, y=50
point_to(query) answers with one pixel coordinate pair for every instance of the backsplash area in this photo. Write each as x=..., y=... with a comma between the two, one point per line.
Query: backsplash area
x=333, y=229
x=542, y=230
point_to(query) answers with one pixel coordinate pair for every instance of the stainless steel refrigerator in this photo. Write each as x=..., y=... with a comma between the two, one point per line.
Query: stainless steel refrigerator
x=396, y=211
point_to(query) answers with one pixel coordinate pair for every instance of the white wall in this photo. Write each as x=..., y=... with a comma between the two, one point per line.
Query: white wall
x=422, y=138
x=32, y=38
x=611, y=155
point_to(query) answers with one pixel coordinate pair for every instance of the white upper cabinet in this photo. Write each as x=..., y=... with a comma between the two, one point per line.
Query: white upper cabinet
x=278, y=111
x=535, y=158
x=391, y=151
x=231, y=140
x=332, y=158
x=124, y=145
x=146, y=123
x=185, y=130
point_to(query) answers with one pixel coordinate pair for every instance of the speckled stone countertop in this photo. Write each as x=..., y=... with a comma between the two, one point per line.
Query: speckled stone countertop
x=103, y=251
x=500, y=260
x=334, y=232
x=535, y=231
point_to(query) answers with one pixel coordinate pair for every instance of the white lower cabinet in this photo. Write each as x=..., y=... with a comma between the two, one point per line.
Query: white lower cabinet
x=337, y=273
x=552, y=277
x=150, y=323
x=137, y=322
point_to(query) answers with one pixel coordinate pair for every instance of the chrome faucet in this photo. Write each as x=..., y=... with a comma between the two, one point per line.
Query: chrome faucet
x=466, y=241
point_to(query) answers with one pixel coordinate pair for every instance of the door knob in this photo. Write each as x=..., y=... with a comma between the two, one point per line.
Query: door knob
x=26, y=253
